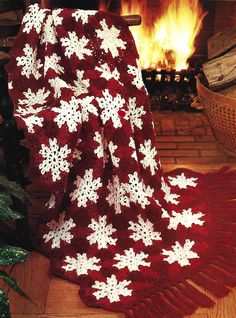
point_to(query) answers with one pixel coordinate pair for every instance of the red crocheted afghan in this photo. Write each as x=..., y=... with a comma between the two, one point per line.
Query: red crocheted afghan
x=128, y=234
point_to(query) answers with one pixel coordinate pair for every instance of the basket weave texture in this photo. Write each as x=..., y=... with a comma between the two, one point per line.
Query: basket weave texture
x=221, y=113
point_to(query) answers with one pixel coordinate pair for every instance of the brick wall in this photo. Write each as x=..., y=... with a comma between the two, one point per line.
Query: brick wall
x=186, y=138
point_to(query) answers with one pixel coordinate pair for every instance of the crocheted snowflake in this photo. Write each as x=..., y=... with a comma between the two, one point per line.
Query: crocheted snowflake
x=83, y=15
x=107, y=73
x=110, y=40
x=137, y=73
x=86, y=189
x=82, y=264
x=34, y=98
x=135, y=114
x=169, y=197
x=31, y=122
x=49, y=33
x=180, y=254
x=57, y=83
x=76, y=46
x=100, y=151
x=131, y=260
x=110, y=108
x=132, y=145
x=112, y=289
x=81, y=84
x=144, y=231
x=60, y=231
x=29, y=62
x=33, y=19
x=112, y=148
x=52, y=202
x=69, y=114
x=187, y=218
x=139, y=193
x=87, y=107
x=54, y=159
x=52, y=62
x=149, y=153
x=182, y=181
x=102, y=233
x=10, y=85
x=77, y=154
x=118, y=194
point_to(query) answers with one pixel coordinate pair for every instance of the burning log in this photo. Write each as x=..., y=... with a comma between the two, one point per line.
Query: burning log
x=220, y=69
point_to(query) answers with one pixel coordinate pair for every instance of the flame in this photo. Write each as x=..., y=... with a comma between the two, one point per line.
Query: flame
x=169, y=41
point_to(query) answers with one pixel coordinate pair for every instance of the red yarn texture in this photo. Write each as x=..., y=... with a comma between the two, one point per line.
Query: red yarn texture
x=128, y=234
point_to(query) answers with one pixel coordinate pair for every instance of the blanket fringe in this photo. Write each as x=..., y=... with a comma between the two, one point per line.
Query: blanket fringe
x=219, y=276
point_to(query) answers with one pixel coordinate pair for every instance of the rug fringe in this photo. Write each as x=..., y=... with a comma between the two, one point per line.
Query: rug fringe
x=220, y=273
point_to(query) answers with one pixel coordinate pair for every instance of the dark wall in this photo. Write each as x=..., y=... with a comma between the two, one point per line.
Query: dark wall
x=81, y=4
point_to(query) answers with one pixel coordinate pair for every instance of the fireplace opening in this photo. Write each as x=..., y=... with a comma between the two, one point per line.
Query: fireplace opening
x=172, y=44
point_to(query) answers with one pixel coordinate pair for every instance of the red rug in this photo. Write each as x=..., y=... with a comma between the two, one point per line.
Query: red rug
x=128, y=234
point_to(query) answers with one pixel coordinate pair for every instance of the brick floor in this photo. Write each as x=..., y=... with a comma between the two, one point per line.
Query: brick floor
x=186, y=138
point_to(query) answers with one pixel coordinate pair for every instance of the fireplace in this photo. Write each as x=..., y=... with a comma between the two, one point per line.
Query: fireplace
x=169, y=74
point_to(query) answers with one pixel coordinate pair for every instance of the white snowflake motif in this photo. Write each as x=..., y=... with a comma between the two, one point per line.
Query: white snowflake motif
x=52, y=62
x=102, y=233
x=180, y=254
x=149, y=156
x=118, y=195
x=107, y=73
x=132, y=145
x=112, y=289
x=187, y=218
x=10, y=85
x=52, y=202
x=54, y=159
x=68, y=113
x=144, y=231
x=139, y=193
x=76, y=46
x=32, y=121
x=137, y=73
x=31, y=99
x=131, y=260
x=110, y=40
x=87, y=107
x=182, y=181
x=49, y=34
x=135, y=114
x=169, y=197
x=100, y=151
x=57, y=83
x=33, y=19
x=110, y=107
x=29, y=62
x=60, y=231
x=77, y=154
x=82, y=264
x=86, y=189
x=112, y=148
x=81, y=84
x=83, y=15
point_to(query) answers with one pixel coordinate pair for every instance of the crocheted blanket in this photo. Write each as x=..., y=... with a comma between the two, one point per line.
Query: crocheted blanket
x=128, y=234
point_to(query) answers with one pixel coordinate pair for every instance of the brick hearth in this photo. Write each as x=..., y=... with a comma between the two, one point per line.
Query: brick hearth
x=186, y=138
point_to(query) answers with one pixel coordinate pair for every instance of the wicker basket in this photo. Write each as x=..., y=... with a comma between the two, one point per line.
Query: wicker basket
x=221, y=113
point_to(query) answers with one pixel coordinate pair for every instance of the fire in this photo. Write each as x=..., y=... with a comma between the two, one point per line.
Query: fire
x=169, y=41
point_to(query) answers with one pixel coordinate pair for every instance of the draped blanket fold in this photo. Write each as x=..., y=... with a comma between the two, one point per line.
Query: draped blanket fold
x=136, y=240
